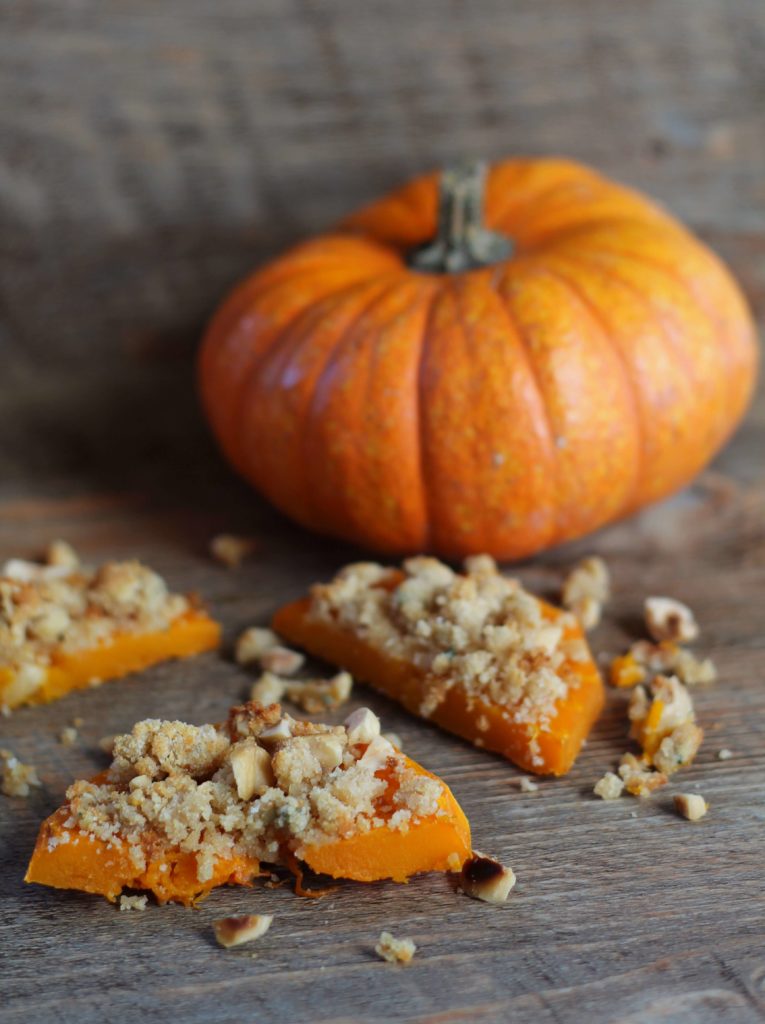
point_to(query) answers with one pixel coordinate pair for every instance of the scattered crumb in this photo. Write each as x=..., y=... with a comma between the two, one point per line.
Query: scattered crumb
x=317, y=695
x=586, y=589
x=484, y=878
x=253, y=643
x=639, y=778
x=395, y=951
x=133, y=903
x=633, y=814
x=68, y=736
x=610, y=787
x=230, y=550
x=692, y=806
x=668, y=619
x=281, y=660
x=234, y=931
x=78, y=722
x=527, y=785
x=724, y=754
x=17, y=778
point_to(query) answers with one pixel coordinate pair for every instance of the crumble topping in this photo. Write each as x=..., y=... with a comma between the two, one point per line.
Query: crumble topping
x=62, y=608
x=668, y=619
x=395, y=951
x=478, y=631
x=692, y=806
x=264, y=786
x=128, y=903
x=586, y=589
x=484, y=878
x=17, y=778
x=233, y=931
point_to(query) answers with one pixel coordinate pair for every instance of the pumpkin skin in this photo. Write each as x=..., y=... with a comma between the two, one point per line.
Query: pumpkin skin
x=502, y=409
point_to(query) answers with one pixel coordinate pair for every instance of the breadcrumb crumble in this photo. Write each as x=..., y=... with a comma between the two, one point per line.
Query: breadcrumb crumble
x=17, y=778
x=128, y=903
x=393, y=950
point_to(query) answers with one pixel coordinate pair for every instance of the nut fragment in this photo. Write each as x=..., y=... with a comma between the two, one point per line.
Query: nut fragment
x=610, y=787
x=274, y=734
x=668, y=619
x=17, y=778
x=395, y=950
x=60, y=553
x=317, y=695
x=253, y=643
x=327, y=748
x=692, y=806
x=486, y=879
x=362, y=725
x=281, y=660
x=268, y=689
x=640, y=779
x=231, y=550
x=586, y=589
x=527, y=785
x=251, y=765
x=377, y=753
x=133, y=903
x=724, y=754
x=233, y=931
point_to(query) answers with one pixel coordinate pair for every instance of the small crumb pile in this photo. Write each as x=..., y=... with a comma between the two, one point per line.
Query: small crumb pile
x=264, y=786
x=586, y=589
x=395, y=951
x=661, y=713
x=231, y=550
x=17, y=778
x=261, y=646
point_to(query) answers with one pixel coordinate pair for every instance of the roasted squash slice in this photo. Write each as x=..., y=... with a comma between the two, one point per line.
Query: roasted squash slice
x=474, y=653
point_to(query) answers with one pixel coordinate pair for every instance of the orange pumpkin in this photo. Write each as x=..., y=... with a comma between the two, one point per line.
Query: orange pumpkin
x=501, y=389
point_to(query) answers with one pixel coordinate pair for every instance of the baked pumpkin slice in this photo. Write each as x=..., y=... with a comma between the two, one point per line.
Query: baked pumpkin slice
x=474, y=653
x=64, y=627
x=185, y=808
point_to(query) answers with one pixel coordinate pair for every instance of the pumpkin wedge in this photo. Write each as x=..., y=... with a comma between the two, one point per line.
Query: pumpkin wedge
x=473, y=653
x=185, y=808
x=64, y=628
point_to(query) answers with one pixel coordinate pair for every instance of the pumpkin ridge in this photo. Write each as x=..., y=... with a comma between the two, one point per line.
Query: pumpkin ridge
x=330, y=519
x=497, y=288
x=595, y=315
x=425, y=469
x=533, y=198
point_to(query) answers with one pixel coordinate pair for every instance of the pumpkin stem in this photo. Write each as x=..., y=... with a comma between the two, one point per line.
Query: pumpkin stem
x=462, y=242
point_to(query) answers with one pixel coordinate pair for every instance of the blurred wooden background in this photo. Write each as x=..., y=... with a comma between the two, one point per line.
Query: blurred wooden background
x=151, y=152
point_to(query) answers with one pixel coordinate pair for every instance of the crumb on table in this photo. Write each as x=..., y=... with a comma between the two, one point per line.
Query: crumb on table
x=17, y=778
x=610, y=787
x=692, y=806
x=235, y=931
x=395, y=951
x=133, y=903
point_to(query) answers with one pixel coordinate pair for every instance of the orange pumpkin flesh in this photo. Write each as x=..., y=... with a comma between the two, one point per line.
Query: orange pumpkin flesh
x=504, y=408
x=192, y=633
x=544, y=751
x=91, y=865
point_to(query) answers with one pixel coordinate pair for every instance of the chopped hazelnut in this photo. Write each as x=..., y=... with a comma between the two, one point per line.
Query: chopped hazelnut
x=253, y=643
x=233, y=931
x=133, y=903
x=274, y=734
x=251, y=765
x=692, y=806
x=610, y=787
x=268, y=689
x=486, y=879
x=395, y=950
x=230, y=550
x=281, y=660
x=362, y=725
x=667, y=619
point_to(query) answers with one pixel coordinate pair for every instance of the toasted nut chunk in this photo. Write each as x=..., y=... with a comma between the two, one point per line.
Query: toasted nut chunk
x=692, y=806
x=60, y=553
x=233, y=931
x=281, y=660
x=679, y=748
x=274, y=734
x=724, y=754
x=527, y=785
x=395, y=951
x=610, y=787
x=667, y=619
x=268, y=689
x=586, y=589
x=327, y=748
x=133, y=903
x=362, y=725
x=17, y=778
x=254, y=643
x=486, y=879
x=377, y=754
x=317, y=695
x=639, y=778
x=231, y=550
x=251, y=765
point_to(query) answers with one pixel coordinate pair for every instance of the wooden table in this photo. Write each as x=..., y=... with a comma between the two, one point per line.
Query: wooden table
x=150, y=159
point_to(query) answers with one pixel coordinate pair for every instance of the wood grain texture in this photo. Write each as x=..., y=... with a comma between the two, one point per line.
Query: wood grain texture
x=151, y=153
